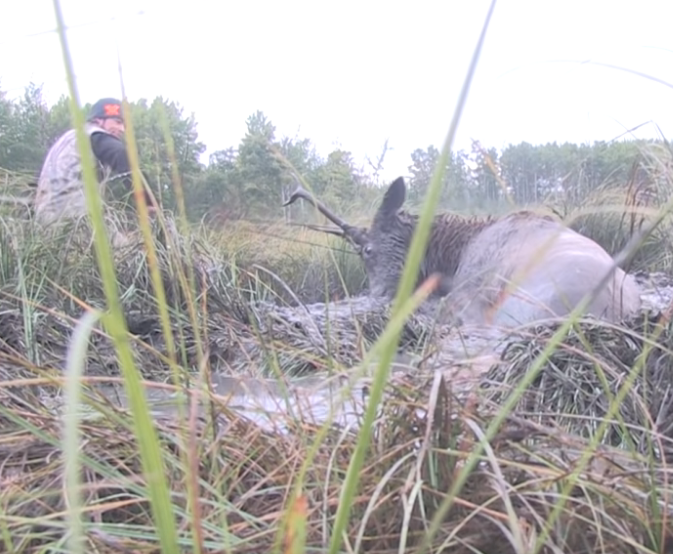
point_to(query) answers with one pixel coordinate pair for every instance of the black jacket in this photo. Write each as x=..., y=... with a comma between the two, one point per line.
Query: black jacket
x=111, y=152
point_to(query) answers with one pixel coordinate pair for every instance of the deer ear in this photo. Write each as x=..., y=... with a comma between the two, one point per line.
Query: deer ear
x=394, y=197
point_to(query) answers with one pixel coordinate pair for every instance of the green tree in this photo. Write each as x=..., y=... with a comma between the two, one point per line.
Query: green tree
x=156, y=159
x=455, y=185
x=260, y=170
x=216, y=193
x=484, y=184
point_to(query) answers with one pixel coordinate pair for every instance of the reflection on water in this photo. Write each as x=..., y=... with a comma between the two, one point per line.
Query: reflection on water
x=270, y=402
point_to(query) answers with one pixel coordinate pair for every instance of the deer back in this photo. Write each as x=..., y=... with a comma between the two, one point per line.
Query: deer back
x=526, y=267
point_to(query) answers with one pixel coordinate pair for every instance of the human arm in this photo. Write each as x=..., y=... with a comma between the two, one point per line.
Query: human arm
x=111, y=152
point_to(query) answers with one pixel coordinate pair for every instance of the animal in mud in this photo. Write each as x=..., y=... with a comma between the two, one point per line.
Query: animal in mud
x=505, y=271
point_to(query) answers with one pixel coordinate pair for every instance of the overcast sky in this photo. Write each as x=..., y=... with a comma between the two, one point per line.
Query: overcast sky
x=355, y=74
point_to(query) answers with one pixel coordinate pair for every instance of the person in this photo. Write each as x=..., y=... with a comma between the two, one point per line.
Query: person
x=60, y=186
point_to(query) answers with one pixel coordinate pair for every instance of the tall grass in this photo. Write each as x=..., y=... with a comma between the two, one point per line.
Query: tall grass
x=240, y=488
x=145, y=432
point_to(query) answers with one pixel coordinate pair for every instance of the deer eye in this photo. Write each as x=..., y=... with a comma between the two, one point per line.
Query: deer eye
x=367, y=250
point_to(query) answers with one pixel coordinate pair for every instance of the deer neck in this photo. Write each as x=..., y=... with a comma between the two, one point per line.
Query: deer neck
x=449, y=237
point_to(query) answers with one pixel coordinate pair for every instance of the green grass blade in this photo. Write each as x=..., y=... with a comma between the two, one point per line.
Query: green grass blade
x=408, y=280
x=145, y=433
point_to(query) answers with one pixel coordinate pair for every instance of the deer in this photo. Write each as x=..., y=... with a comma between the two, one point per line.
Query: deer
x=507, y=271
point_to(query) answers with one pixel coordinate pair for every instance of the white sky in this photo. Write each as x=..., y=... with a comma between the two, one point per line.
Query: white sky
x=353, y=74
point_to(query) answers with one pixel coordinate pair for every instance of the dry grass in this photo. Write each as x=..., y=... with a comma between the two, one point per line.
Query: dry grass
x=617, y=503
x=613, y=212
x=539, y=479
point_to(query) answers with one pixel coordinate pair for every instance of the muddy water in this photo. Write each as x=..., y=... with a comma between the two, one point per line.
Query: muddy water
x=266, y=402
x=460, y=356
x=269, y=402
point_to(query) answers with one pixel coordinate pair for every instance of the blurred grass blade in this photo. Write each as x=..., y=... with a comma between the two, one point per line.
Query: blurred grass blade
x=408, y=280
x=75, y=361
x=145, y=433
x=295, y=530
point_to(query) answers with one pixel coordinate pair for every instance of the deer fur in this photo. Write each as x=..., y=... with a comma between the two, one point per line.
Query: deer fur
x=504, y=271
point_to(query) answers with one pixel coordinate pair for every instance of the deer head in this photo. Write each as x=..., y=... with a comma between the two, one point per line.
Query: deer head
x=384, y=246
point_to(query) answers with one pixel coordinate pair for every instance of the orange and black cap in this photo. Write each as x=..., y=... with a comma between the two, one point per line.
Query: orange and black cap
x=106, y=107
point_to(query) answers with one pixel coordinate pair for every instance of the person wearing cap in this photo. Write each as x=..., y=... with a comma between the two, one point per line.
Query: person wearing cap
x=60, y=187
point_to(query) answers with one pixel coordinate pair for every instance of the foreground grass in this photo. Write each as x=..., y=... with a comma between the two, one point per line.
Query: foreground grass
x=242, y=474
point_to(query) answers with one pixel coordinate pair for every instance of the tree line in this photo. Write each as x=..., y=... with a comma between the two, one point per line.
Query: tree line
x=251, y=179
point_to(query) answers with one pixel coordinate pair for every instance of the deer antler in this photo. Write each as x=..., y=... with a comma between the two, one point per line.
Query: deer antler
x=322, y=228
x=355, y=235
x=301, y=192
